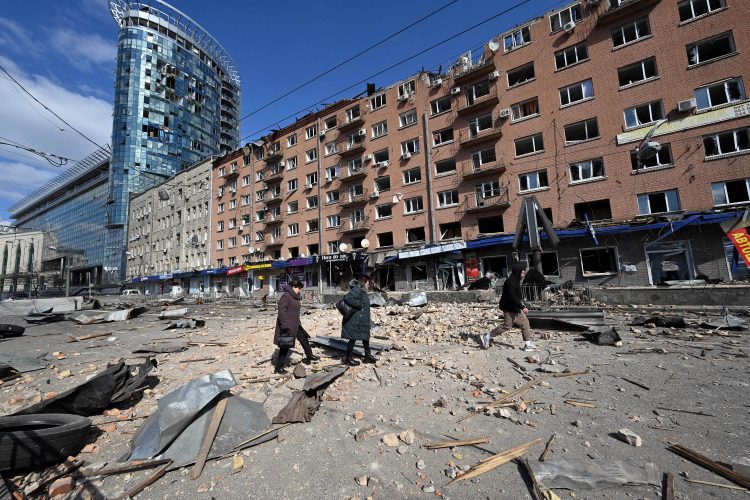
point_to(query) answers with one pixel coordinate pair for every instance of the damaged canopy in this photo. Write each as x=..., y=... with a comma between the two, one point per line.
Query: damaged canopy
x=176, y=430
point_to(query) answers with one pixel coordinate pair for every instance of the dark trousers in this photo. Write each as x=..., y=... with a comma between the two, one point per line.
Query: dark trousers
x=350, y=348
x=284, y=351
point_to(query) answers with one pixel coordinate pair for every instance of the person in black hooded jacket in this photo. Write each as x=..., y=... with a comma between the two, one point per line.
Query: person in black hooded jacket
x=514, y=311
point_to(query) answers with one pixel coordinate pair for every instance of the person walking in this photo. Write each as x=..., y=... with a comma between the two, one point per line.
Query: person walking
x=288, y=324
x=514, y=311
x=358, y=326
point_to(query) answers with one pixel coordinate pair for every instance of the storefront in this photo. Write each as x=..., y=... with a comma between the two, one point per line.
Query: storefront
x=441, y=267
x=258, y=274
x=217, y=280
x=340, y=268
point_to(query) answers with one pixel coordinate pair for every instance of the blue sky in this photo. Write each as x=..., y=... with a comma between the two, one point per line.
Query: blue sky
x=63, y=53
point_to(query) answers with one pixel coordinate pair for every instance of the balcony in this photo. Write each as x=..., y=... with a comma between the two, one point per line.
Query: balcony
x=274, y=176
x=276, y=241
x=352, y=174
x=346, y=148
x=619, y=9
x=273, y=220
x=232, y=174
x=351, y=124
x=273, y=199
x=478, y=202
x=470, y=170
x=352, y=199
x=272, y=155
x=475, y=70
x=472, y=104
x=470, y=136
x=354, y=226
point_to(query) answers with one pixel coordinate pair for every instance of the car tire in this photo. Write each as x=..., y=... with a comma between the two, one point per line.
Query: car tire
x=8, y=330
x=28, y=441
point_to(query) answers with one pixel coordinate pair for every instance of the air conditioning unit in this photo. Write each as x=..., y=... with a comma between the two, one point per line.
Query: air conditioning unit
x=322, y=133
x=456, y=90
x=406, y=156
x=569, y=26
x=494, y=75
x=374, y=194
x=282, y=163
x=309, y=185
x=403, y=97
x=382, y=164
x=437, y=82
x=368, y=158
x=687, y=105
x=504, y=113
x=361, y=132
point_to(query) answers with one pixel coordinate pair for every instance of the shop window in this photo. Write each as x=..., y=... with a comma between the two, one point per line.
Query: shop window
x=418, y=272
x=550, y=266
x=595, y=261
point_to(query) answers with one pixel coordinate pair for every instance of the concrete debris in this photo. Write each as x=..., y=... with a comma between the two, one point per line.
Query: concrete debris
x=366, y=433
x=407, y=436
x=391, y=440
x=174, y=313
x=629, y=437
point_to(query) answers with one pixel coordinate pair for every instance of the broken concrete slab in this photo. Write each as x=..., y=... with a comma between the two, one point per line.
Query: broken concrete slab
x=629, y=437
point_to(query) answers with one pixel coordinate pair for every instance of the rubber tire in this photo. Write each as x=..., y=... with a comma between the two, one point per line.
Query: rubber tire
x=8, y=330
x=63, y=435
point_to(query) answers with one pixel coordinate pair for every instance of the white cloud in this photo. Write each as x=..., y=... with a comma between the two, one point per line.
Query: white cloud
x=83, y=50
x=15, y=39
x=27, y=123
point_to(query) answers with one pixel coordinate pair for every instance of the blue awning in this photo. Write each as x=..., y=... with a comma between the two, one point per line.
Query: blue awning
x=432, y=250
x=220, y=270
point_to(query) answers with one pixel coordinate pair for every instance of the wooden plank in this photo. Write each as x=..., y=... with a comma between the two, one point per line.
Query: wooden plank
x=504, y=399
x=72, y=338
x=208, y=440
x=258, y=436
x=580, y=404
x=571, y=374
x=536, y=489
x=145, y=482
x=718, y=485
x=453, y=444
x=496, y=461
x=668, y=492
x=126, y=467
x=709, y=464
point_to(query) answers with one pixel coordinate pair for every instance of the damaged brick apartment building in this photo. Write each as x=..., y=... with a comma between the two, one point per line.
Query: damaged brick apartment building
x=627, y=120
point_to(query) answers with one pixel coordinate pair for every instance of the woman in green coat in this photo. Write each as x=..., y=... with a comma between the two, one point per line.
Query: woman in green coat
x=357, y=327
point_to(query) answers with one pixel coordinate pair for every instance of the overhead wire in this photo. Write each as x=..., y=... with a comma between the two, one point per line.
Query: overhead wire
x=52, y=159
x=48, y=109
x=364, y=51
x=402, y=61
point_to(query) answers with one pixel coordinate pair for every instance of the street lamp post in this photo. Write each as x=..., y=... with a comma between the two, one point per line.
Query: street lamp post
x=64, y=268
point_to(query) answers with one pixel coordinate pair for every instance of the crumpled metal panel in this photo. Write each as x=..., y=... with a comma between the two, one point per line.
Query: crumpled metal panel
x=593, y=474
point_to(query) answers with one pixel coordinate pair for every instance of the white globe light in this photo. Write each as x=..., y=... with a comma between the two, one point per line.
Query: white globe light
x=342, y=247
x=365, y=243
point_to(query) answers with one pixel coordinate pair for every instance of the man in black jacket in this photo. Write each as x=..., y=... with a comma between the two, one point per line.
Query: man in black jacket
x=514, y=311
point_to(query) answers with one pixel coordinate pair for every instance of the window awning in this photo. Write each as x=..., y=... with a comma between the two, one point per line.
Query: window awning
x=432, y=250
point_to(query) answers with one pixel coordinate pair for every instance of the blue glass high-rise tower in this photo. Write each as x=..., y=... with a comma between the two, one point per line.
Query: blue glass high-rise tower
x=177, y=94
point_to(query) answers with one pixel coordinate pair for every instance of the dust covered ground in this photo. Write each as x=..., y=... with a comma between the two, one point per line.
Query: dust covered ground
x=688, y=385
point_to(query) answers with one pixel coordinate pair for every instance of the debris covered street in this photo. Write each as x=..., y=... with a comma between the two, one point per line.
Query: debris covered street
x=584, y=408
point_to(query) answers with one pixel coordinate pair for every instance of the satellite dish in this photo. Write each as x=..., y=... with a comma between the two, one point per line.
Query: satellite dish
x=163, y=194
x=251, y=250
x=194, y=239
x=493, y=45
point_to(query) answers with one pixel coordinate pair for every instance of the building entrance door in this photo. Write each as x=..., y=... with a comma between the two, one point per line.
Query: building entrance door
x=669, y=261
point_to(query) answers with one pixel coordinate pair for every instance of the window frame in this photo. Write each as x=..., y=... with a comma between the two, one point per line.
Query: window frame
x=436, y=133
x=441, y=201
x=636, y=27
x=634, y=110
x=717, y=141
x=580, y=166
x=410, y=209
x=699, y=16
x=409, y=172
x=311, y=155
x=291, y=140
x=665, y=149
x=575, y=48
x=695, y=46
x=378, y=101
x=570, y=9
x=665, y=193
x=535, y=174
x=583, y=86
x=407, y=114
x=533, y=138
x=724, y=83
x=645, y=78
x=311, y=132
x=586, y=124
x=382, y=127
x=520, y=68
x=383, y=217
x=435, y=103
x=725, y=193
x=523, y=33
x=606, y=248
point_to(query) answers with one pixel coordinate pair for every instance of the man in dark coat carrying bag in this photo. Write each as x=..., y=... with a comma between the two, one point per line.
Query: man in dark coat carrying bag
x=358, y=326
x=289, y=326
x=514, y=311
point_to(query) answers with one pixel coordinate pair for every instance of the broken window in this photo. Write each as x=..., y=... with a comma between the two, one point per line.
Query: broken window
x=533, y=180
x=413, y=205
x=517, y=38
x=418, y=272
x=489, y=225
x=480, y=124
x=332, y=197
x=450, y=230
x=547, y=213
x=559, y=19
x=724, y=143
x=576, y=92
x=412, y=176
x=581, y=131
x=379, y=129
x=730, y=192
x=442, y=136
x=529, y=145
x=643, y=114
x=476, y=91
x=313, y=249
x=407, y=118
x=571, y=55
x=441, y=105
x=415, y=234
x=330, y=122
x=521, y=74
x=713, y=48
x=380, y=156
x=445, y=166
x=550, y=267
x=719, y=93
x=662, y=158
x=311, y=132
x=407, y=89
x=383, y=211
x=525, y=109
x=290, y=141
x=655, y=203
x=385, y=239
x=352, y=114
x=483, y=157
x=599, y=261
x=382, y=184
x=630, y=32
x=638, y=72
x=593, y=210
x=447, y=198
x=411, y=146
x=691, y=9
x=587, y=170
x=377, y=101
